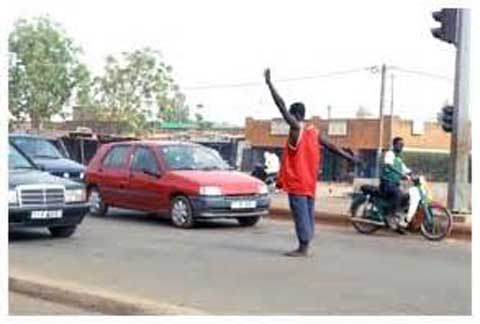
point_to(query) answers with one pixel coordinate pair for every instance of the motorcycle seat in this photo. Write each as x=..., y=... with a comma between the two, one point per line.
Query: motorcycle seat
x=370, y=190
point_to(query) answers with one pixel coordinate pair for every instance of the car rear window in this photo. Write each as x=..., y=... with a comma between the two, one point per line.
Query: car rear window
x=116, y=157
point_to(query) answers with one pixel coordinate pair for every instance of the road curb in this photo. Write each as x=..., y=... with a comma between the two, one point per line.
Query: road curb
x=93, y=299
x=460, y=231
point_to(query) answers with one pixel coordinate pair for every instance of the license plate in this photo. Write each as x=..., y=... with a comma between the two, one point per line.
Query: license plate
x=46, y=214
x=243, y=204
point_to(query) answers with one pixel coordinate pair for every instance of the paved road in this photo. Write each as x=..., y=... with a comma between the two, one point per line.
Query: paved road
x=24, y=305
x=323, y=203
x=224, y=269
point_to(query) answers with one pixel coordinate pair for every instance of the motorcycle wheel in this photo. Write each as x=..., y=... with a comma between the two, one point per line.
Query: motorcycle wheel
x=359, y=208
x=439, y=226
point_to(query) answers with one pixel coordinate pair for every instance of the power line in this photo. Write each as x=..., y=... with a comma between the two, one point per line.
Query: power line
x=293, y=79
x=316, y=76
x=422, y=73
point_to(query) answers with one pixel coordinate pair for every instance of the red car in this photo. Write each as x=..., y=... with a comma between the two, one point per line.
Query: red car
x=183, y=180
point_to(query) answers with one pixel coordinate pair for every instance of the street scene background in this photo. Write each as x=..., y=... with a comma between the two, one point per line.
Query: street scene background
x=81, y=77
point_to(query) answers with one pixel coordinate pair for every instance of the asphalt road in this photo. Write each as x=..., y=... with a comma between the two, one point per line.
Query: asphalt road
x=222, y=268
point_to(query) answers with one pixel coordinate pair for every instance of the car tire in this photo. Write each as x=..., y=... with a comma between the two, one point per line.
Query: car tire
x=97, y=206
x=248, y=221
x=181, y=213
x=62, y=231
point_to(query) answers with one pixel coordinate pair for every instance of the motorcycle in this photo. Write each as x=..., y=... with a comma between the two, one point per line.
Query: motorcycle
x=270, y=179
x=371, y=210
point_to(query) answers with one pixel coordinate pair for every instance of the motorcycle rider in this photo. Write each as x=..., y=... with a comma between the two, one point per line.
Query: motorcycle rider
x=393, y=172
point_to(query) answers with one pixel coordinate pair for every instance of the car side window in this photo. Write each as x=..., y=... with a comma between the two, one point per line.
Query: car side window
x=116, y=157
x=143, y=159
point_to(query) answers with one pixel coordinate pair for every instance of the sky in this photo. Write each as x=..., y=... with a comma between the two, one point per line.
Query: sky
x=211, y=43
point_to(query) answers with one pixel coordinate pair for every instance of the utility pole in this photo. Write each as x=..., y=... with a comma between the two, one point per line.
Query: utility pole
x=392, y=77
x=460, y=144
x=329, y=109
x=380, y=127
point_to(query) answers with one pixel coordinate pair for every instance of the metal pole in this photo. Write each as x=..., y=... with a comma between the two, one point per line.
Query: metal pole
x=391, y=107
x=460, y=143
x=329, y=112
x=82, y=150
x=380, y=127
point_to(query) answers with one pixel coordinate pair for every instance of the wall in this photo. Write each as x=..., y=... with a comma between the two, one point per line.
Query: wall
x=361, y=134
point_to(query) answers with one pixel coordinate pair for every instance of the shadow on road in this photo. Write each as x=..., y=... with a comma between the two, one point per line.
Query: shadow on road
x=154, y=219
x=20, y=235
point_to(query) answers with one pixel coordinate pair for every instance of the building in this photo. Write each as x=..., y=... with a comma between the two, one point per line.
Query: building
x=426, y=144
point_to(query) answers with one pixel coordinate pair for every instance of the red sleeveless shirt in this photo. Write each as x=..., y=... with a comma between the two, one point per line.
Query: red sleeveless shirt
x=299, y=168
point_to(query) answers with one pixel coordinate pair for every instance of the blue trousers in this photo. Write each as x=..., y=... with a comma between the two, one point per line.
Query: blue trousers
x=302, y=208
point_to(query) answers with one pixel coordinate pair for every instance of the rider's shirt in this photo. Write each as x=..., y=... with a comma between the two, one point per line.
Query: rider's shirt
x=299, y=167
x=395, y=161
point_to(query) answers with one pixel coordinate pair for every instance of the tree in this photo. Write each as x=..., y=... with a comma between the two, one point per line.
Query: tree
x=138, y=87
x=174, y=109
x=362, y=112
x=44, y=70
x=198, y=118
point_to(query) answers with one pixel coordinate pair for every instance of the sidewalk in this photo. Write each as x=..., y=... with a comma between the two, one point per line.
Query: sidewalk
x=332, y=205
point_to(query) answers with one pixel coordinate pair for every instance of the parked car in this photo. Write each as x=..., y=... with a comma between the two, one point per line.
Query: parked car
x=47, y=157
x=38, y=199
x=185, y=181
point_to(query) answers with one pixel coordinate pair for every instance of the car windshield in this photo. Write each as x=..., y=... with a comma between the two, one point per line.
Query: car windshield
x=190, y=157
x=17, y=160
x=37, y=148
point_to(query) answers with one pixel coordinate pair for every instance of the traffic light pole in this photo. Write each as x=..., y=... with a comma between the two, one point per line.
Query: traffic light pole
x=460, y=144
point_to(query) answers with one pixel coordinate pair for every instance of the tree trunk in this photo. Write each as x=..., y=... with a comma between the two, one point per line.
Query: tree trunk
x=35, y=122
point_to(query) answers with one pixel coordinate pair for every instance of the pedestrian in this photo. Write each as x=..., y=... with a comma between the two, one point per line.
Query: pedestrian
x=299, y=167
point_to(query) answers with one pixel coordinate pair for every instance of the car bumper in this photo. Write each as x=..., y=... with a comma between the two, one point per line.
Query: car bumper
x=220, y=207
x=72, y=215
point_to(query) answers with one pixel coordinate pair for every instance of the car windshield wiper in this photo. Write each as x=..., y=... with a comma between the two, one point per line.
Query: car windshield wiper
x=185, y=168
x=46, y=156
x=212, y=168
x=24, y=167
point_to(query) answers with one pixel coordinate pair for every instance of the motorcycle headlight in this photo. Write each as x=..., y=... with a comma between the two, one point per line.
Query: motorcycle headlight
x=82, y=175
x=12, y=197
x=210, y=191
x=66, y=175
x=263, y=189
x=75, y=195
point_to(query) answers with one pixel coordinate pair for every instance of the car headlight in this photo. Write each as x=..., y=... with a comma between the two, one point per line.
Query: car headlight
x=263, y=189
x=12, y=197
x=210, y=191
x=75, y=195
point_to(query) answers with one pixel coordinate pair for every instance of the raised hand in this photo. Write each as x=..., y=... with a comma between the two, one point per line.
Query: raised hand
x=267, y=75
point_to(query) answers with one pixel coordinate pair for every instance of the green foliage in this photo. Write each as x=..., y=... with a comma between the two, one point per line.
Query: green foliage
x=44, y=70
x=136, y=88
x=434, y=166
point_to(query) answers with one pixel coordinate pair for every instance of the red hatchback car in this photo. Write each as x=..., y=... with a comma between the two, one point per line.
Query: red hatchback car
x=185, y=181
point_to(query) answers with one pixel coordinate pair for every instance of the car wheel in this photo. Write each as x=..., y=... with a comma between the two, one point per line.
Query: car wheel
x=62, y=231
x=97, y=206
x=181, y=212
x=248, y=221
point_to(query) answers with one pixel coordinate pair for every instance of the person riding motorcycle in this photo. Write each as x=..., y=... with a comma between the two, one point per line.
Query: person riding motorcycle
x=393, y=172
